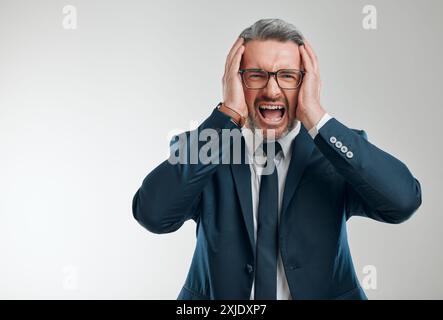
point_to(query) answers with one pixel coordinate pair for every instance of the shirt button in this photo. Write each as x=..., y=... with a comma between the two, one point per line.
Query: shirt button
x=250, y=268
x=338, y=144
x=344, y=149
x=349, y=154
x=333, y=139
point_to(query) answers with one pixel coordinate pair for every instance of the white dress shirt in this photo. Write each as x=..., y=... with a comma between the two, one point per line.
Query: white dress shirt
x=282, y=160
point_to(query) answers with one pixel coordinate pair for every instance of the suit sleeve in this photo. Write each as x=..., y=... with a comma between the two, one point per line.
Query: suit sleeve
x=379, y=186
x=171, y=193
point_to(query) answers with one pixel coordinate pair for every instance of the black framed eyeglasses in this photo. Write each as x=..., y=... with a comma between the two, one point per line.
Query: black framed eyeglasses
x=288, y=79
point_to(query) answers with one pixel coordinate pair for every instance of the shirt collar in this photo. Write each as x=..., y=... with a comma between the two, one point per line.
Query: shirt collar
x=254, y=141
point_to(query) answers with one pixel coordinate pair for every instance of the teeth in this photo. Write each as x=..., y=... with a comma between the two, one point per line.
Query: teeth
x=271, y=107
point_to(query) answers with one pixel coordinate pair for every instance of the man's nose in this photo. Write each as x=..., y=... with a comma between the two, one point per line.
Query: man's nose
x=272, y=88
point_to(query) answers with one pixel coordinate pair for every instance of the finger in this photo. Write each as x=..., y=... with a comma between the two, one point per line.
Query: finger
x=312, y=55
x=236, y=59
x=234, y=48
x=233, y=51
x=306, y=60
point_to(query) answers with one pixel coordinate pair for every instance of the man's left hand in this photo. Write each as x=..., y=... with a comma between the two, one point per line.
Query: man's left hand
x=309, y=110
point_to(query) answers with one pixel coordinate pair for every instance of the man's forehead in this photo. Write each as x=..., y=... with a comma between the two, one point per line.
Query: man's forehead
x=271, y=54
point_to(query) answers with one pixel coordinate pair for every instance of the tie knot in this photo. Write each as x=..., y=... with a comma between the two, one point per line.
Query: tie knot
x=273, y=147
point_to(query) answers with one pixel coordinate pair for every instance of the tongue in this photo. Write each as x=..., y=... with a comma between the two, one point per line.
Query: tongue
x=272, y=114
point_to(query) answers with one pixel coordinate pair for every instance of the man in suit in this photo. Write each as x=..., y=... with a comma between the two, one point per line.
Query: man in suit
x=279, y=235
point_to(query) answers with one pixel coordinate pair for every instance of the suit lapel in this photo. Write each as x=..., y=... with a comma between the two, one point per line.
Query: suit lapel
x=302, y=147
x=242, y=177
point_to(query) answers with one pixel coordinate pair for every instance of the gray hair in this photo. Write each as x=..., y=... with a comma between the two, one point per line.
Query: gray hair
x=272, y=29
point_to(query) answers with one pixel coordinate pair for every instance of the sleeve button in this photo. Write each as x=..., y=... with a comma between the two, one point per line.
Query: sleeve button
x=349, y=154
x=333, y=139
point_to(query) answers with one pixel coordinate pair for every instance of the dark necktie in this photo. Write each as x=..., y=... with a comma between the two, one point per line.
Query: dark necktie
x=267, y=233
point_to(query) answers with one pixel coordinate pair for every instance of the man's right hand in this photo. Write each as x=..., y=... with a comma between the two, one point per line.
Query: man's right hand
x=233, y=96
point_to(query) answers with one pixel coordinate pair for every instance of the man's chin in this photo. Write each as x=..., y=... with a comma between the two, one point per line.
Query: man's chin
x=270, y=132
x=273, y=132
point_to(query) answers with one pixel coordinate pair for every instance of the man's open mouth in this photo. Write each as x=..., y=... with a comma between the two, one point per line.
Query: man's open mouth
x=272, y=113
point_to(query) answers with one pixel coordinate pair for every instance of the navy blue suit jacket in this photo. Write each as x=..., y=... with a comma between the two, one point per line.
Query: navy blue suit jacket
x=323, y=189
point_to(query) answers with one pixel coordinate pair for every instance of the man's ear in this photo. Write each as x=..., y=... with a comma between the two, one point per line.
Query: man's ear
x=242, y=58
x=302, y=67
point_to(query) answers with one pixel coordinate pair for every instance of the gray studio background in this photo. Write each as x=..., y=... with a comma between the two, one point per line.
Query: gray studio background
x=85, y=114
